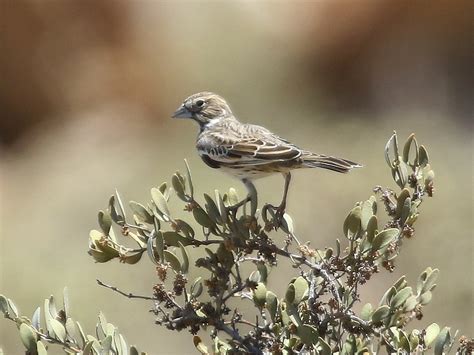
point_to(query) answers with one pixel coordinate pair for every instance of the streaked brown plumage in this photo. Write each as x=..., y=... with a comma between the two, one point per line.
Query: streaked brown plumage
x=248, y=151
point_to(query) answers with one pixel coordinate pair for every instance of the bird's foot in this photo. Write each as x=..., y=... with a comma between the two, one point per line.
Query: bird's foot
x=234, y=208
x=278, y=213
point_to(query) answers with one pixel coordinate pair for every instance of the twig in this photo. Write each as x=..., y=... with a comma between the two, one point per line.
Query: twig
x=131, y=295
x=128, y=295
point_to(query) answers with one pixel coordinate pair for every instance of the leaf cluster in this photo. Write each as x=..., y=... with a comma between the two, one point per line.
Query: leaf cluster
x=315, y=314
x=55, y=326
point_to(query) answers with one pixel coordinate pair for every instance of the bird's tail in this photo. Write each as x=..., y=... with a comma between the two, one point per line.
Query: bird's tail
x=312, y=160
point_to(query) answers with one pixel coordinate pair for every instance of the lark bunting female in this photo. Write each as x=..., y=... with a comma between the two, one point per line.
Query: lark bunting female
x=247, y=151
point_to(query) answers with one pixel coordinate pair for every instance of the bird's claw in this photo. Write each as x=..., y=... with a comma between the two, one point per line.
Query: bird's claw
x=277, y=220
x=234, y=208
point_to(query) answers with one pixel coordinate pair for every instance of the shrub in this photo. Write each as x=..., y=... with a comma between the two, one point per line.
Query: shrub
x=316, y=313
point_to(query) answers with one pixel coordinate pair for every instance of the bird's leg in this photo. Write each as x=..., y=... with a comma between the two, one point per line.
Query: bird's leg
x=281, y=209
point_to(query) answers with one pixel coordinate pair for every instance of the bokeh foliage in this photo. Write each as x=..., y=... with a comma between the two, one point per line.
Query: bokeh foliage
x=316, y=314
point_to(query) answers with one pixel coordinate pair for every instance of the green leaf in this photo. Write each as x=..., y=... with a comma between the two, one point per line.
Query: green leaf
x=12, y=309
x=423, y=156
x=202, y=218
x=287, y=224
x=36, y=319
x=388, y=295
x=82, y=339
x=367, y=212
x=71, y=329
x=384, y=238
x=442, y=341
x=160, y=245
x=87, y=350
x=263, y=270
x=132, y=259
x=410, y=304
x=404, y=194
x=106, y=344
x=431, y=332
x=352, y=224
x=400, y=283
x=160, y=202
x=52, y=307
x=349, y=347
x=105, y=222
x=58, y=329
x=173, y=239
x=66, y=307
x=285, y=319
x=372, y=226
x=400, y=173
x=260, y=295
x=28, y=337
x=233, y=198
x=197, y=288
x=393, y=139
x=301, y=289
x=3, y=304
x=151, y=250
x=406, y=209
x=163, y=188
x=102, y=325
x=189, y=178
x=185, y=264
x=271, y=303
x=173, y=260
x=421, y=279
x=293, y=314
x=430, y=281
x=179, y=186
x=120, y=204
x=366, y=311
x=212, y=209
x=400, y=297
x=404, y=342
x=425, y=298
x=414, y=338
x=407, y=149
x=308, y=334
x=41, y=349
x=141, y=212
x=114, y=214
x=380, y=314
x=185, y=228
x=290, y=294
x=120, y=344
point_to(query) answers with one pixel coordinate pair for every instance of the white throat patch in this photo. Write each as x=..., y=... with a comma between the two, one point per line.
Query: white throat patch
x=212, y=122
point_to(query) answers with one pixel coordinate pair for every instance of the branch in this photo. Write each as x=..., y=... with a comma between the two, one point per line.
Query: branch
x=128, y=295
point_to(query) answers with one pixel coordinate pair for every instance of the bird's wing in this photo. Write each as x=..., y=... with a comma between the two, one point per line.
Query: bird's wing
x=247, y=145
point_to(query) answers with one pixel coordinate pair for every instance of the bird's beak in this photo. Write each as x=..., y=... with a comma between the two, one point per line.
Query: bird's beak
x=182, y=112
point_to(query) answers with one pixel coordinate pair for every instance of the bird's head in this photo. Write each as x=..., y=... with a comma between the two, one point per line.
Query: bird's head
x=204, y=107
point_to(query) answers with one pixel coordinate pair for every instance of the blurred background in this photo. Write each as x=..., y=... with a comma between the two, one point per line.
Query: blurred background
x=86, y=93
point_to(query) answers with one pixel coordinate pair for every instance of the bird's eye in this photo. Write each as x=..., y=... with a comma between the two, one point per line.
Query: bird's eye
x=200, y=103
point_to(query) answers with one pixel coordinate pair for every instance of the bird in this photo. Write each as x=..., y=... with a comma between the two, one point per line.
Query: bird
x=247, y=151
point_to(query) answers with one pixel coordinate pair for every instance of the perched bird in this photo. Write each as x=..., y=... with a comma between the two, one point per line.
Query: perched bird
x=247, y=151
